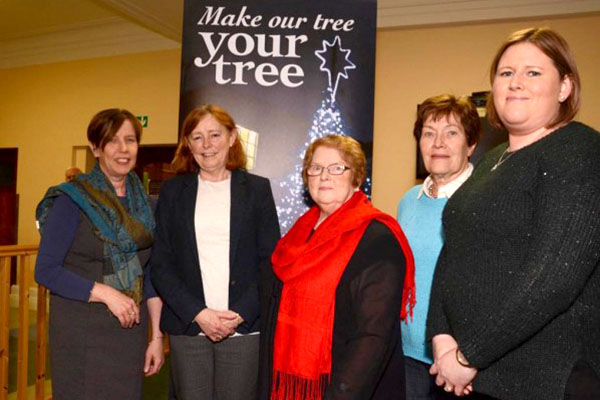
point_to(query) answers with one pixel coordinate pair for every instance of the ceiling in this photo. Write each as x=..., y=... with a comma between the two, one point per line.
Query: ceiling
x=46, y=31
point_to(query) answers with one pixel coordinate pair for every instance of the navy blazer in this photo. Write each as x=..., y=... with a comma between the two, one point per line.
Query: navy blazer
x=254, y=232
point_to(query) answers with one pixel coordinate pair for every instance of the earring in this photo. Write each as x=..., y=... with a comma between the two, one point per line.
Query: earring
x=561, y=98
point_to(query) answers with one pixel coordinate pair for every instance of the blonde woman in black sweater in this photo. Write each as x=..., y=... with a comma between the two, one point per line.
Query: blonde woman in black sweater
x=515, y=303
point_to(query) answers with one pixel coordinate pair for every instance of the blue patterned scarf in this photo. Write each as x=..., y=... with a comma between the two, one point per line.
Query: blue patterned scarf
x=123, y=230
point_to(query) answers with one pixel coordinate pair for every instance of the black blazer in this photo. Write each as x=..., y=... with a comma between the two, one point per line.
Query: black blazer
x=254, y=232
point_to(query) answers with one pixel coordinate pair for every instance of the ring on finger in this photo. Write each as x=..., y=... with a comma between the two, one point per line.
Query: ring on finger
x=448, y=389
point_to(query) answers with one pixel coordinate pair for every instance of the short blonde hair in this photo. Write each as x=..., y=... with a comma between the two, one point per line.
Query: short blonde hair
x=350, y=150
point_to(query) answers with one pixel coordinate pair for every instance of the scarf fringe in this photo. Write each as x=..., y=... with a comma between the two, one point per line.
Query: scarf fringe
x=409, y=299
x=293, y=387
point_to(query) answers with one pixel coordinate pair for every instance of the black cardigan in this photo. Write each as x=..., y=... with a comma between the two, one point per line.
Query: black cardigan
x=518, y=283
x=254, y=232
x=366, y=355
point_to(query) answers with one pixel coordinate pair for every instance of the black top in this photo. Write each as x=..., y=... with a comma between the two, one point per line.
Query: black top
x=254, y=231
x=517, y=283
x=366, y=329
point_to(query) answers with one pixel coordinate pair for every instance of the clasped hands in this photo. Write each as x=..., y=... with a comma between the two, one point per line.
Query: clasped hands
x=218, y=325
x=449, y=372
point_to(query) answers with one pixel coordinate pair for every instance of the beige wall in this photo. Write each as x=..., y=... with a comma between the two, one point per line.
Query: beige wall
x=44, y=110
x=413, y=64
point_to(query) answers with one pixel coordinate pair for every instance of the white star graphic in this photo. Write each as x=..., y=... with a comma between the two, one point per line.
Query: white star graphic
x=343, y=71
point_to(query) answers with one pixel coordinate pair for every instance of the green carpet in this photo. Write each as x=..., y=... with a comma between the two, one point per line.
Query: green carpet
x=12, y=359
x=157, y=387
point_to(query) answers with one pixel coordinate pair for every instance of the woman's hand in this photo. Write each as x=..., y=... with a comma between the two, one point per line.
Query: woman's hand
x=444, y=352
x=211, y=323
x=120, y=305
x=452, y=375
x=441, y=344
x=155, y=356
x=233, y=323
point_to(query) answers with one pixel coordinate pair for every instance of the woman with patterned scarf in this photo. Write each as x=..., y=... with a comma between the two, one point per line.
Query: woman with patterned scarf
x=97, y=231
x=343, y=280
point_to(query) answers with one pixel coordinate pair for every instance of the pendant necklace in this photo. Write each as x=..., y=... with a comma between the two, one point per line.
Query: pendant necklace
x=430, y=190
x=502, y=158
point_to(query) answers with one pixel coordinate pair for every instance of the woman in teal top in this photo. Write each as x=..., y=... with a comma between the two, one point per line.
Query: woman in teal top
x=447, y=130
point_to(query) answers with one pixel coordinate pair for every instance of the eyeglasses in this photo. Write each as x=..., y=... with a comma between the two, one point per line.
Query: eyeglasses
x=333, y=169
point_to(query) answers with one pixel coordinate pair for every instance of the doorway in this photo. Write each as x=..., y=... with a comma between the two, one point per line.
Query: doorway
x=9, y=200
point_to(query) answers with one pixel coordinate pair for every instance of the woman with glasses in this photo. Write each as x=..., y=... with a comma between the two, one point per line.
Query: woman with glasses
x=343, y=279
x=216, y=229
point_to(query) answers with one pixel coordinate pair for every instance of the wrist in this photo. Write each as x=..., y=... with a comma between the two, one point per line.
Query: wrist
x=461, y=359
x=201, y=314
x=92, y=292
x=442, y=344
x=97, y=293
x=200, y=318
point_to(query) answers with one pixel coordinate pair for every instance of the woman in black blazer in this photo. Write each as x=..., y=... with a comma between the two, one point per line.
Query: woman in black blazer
x=216, y=229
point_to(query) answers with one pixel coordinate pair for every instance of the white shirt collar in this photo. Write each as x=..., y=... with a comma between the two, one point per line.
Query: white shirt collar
x=449, y=188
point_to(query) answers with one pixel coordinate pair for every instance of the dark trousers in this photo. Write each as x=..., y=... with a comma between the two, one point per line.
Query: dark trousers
x=203, y=370
x=420, y=385
x=583, y=383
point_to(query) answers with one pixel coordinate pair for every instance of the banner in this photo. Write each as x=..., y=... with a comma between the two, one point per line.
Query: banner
x=288, y=72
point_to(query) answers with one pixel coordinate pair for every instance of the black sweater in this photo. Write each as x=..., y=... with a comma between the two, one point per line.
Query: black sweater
x=518, y=282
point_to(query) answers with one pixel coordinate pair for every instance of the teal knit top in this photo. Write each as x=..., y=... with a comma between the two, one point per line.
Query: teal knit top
x=421, y=221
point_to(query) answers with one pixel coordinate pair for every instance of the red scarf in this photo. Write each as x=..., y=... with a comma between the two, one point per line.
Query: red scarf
x=310, y=271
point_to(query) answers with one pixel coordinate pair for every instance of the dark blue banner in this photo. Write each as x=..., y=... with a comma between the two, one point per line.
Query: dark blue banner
x=288, y=72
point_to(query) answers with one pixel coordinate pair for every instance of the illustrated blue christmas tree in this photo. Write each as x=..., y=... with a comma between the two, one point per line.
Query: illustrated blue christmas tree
x=326, y=120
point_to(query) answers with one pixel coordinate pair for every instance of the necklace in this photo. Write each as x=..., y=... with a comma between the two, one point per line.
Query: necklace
x=502, y=159
x=431, y=189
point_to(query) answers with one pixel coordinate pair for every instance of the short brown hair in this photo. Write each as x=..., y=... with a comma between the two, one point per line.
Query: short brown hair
x=556, y=48
x=184, y=160
x=444, y=105
x=350, y=150
x=105, y=124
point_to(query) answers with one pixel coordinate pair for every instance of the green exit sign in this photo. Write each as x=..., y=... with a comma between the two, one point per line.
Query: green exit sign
x=143, y=119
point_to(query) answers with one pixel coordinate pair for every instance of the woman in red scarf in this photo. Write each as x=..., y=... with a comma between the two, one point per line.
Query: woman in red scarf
x=343, y=280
